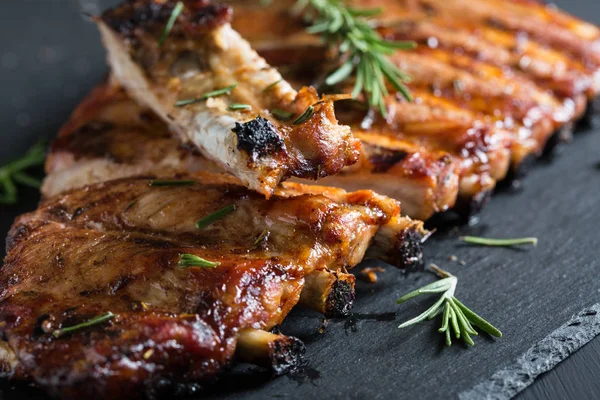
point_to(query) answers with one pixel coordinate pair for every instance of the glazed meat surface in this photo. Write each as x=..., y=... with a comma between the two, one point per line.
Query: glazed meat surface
x=110, y=136
x=176, y=73
x=115, y=247
x=492, y=87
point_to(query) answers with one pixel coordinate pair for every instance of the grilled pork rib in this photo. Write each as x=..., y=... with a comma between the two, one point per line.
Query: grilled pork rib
x=110, y=137
x=490, y=87
x=202, y=54
x=115, y=246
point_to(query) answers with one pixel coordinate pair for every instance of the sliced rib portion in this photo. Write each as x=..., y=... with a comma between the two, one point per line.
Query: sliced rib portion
x=116, y=247
x=177, y=78
x=109, y=136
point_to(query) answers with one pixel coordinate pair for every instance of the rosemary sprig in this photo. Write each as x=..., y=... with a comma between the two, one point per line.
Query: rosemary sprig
x=455, y=315
x=12, y=173
x=174, y=14
x=239, y=107
x=206, y=96
x=217, y=215
x=191, y=260
x=498, y=242
x=365, y=51
x=94, y=321
x=159, y=183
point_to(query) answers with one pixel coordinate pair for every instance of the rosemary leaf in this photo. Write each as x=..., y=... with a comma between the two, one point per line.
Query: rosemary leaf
x=191, y=260
x=498, y=242
x=305, y=116
x=477, y=320
x=341, y=74
x=272, y=85
x=239, y=107
x=206, y=96
x=13, y=173
x=176, y=11
x=282, y=115
x=94, y=321
x=27, y=180
x=264, y=235
x=159, y=183
x=181, y=103
x=217, y=215
x=369, y=12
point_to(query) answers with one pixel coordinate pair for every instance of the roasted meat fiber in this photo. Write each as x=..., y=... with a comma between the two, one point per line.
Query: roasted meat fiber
x=116, y=247
x=219, y=96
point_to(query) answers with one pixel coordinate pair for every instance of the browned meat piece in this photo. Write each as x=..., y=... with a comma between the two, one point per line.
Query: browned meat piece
x=176, y=73
x=491, y=89
x=109, y=136
x=115, y=247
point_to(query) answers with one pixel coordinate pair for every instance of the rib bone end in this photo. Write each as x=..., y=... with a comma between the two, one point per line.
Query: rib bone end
x=279, y=353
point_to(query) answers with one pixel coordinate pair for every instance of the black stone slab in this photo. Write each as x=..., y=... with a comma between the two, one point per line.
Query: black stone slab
x=50, y=57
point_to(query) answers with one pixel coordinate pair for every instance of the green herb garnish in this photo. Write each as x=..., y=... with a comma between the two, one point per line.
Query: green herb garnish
x=217, y=215
x=304, y=116
x=455, y=315
x=12, y=173
x=158, y=183
x=264, y=235
x=282, y=115
x=272, y=85
x=358, y=42
x=498, y=242
x=206, y=96
x=174, y=14
x=94, y=321
x=239, y=107
x=190, y=260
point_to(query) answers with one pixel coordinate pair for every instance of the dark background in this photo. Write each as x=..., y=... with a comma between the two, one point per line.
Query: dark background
x=50, y=57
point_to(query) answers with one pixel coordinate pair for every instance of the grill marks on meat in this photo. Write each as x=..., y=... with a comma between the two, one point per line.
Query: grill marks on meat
x=109, y=136
x=202, y=54
x=492, y=83
x=115, y=246
x=132, y=141
x=73, y=164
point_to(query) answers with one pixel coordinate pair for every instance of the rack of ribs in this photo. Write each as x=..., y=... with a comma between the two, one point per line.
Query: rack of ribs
x=115, y=247
x=180, y=74
x=109, y=137
x=495, y=85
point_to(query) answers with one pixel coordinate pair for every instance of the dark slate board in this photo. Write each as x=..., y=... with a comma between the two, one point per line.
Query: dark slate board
x=50, y=57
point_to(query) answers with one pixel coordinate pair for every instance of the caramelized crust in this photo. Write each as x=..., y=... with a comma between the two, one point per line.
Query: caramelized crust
x=202, y=54
x=491, y=86
x=109, y=136
x=115, y=246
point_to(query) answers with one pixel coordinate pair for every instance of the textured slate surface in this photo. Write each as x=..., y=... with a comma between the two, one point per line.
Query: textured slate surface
x=50, y=58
